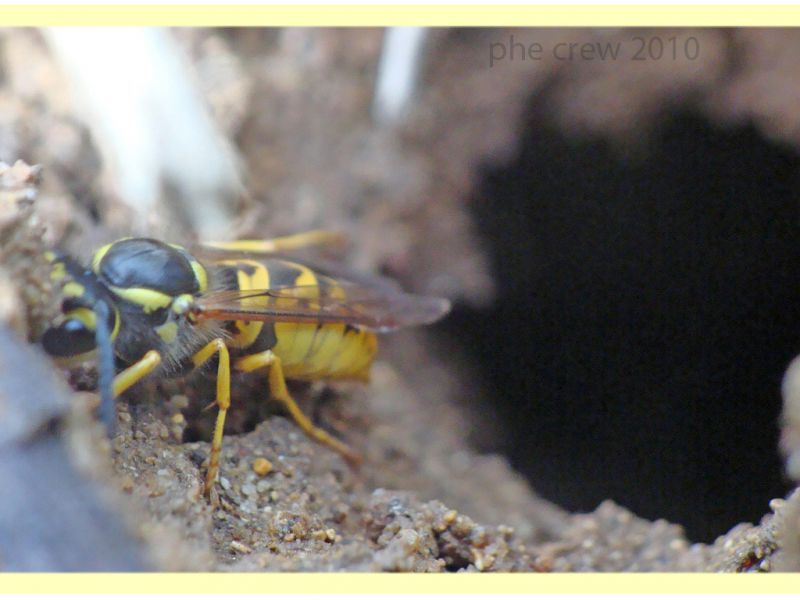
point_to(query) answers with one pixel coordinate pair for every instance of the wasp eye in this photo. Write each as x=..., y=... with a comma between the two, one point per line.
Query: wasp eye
x=74, y=327
x=70, y=338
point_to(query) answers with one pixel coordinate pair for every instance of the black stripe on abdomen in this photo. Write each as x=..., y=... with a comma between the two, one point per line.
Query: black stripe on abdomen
x=281, y=273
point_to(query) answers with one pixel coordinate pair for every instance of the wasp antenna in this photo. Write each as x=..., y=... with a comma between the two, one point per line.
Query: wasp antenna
x=105, y=368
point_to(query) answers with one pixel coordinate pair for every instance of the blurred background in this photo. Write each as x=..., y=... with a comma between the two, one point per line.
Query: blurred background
x=613, y=212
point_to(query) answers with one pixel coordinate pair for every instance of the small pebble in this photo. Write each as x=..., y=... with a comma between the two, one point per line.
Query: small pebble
x=505, y=530
x=678, y=544
x=240, y=547
x=179, y=402
x=319, y=535
x=262, y=466
x=477, y=559
x=776, y=504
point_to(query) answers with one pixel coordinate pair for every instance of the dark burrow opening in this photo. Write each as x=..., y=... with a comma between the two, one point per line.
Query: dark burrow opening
x=646, y=312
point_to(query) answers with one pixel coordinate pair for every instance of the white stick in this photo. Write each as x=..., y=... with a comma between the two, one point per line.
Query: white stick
x=149, y=121
x=397, y=73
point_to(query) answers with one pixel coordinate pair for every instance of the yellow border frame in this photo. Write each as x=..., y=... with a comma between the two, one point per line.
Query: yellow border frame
x=372, y=16
x=399, y=583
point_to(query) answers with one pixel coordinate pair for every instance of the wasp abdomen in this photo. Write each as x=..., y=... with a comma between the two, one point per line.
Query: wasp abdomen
x=306, y=350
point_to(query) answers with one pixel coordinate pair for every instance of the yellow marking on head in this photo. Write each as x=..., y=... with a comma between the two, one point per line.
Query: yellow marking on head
x=75, y=360
x=168, y=332
x=49, y=256
x=89, y=318
x=149, y=300
x=85, y=316
x=117, y=320
x=73, y=290
x=58, y=271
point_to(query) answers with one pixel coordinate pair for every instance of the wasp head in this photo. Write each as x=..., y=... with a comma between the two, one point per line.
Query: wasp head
x=86, y=328
x=72, y=336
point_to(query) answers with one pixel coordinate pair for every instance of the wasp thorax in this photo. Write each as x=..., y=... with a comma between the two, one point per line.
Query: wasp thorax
x=143, y=263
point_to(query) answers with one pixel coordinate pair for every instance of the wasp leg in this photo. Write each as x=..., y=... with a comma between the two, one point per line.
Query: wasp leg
x=136, y=372
x=223, y=401
x=317, y=237
x=278, y=391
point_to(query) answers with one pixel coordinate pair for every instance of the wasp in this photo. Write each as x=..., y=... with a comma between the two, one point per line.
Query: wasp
x=145, y=307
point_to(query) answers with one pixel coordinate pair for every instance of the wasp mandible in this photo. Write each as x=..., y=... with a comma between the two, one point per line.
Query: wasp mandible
x=145, y=307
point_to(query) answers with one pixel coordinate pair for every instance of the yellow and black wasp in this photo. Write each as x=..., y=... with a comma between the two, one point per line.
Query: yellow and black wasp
x=144, y=306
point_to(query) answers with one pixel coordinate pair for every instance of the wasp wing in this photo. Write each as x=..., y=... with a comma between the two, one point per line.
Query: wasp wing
x=352, y=303
x=315, y=243
x=319, y=249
